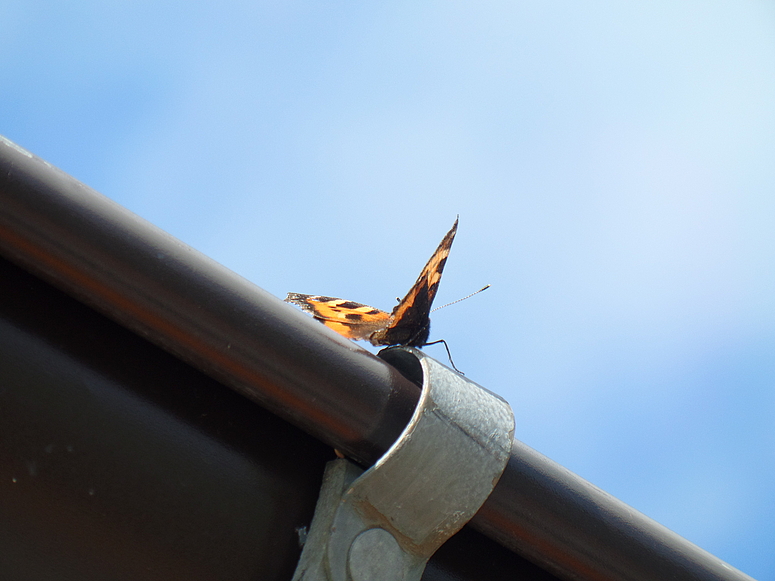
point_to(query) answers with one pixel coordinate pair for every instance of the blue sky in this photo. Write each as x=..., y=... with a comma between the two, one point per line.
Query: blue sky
x=612, y=164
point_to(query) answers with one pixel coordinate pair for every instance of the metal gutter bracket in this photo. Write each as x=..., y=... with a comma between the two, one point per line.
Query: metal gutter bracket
x=385, y=523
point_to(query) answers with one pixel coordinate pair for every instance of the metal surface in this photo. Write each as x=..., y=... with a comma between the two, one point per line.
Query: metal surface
x=119, y=462
x=385, y=523
x=233, y=331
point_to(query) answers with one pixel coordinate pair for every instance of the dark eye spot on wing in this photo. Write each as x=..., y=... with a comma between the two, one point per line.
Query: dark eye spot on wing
x=348, y=305
x=354, y=316
x=373, y=312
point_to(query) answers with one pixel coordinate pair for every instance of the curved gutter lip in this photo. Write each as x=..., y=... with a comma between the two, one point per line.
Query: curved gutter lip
x=575, y=530
x=186, y=303
x=147, y=280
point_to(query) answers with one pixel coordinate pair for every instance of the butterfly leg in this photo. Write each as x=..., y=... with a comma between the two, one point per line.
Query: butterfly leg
x=449, y=355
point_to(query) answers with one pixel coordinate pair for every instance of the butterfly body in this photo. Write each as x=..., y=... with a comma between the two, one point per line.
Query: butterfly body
x=408, y=324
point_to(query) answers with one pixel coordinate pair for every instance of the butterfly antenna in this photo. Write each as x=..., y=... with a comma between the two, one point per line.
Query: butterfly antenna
x=457, y=301
x=449, y=355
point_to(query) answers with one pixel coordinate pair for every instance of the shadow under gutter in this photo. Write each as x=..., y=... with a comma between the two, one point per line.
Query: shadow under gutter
x=131, y=271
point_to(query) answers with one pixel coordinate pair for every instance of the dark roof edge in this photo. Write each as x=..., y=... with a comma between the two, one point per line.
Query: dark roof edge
x=140, y=276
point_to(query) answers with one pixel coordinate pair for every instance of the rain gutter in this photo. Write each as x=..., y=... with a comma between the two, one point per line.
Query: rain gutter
x=131, y=271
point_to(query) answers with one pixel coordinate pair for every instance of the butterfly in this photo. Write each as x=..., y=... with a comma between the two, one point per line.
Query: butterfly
x=408, y=324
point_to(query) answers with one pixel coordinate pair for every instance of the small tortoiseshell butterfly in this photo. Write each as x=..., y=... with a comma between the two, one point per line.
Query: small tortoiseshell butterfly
x=408, y=324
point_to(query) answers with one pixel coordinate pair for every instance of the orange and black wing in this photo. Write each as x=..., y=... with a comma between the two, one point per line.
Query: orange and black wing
x=411, y=323
x=352, y=320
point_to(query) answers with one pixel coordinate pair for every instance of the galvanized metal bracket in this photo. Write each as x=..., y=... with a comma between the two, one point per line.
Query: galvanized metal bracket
x=385, y=523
